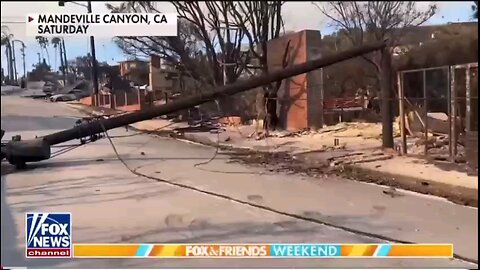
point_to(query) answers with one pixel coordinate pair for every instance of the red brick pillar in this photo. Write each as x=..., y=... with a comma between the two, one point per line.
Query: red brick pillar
x=112, y=101
x=94, y=100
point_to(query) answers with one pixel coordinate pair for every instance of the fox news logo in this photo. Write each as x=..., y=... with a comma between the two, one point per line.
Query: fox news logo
x=48, y=235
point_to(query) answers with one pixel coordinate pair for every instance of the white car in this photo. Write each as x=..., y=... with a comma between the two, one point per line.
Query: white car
x=63, y=97
x=79, y=93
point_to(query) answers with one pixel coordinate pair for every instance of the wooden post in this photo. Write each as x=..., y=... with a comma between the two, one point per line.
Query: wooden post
x=322, y=94
x=112, y=101
x=401, y=106
x=139, y=98
x=425, y=106
x=150, y=77
x=468, y=117
x=449, y=112
x=454, y=114
x=386, y=95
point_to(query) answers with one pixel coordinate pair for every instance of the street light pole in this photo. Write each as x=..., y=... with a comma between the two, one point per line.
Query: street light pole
x=24, y=65
x=228, y=44
x=94, y=59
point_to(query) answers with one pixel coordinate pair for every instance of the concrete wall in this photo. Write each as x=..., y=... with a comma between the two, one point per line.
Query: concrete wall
x=132, y=101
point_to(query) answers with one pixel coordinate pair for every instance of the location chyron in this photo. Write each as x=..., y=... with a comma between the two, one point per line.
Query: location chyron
x=102, y=24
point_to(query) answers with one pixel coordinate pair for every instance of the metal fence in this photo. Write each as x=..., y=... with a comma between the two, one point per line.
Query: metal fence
x=440, y=101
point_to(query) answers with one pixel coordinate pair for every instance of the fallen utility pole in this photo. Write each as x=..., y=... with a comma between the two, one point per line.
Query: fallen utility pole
x=18, y=152
x=227, y=90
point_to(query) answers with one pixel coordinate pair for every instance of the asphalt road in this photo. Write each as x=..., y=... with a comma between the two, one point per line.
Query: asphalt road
x=109, y=204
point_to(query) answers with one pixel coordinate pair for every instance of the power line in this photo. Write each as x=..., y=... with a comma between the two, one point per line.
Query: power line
x=259, y=206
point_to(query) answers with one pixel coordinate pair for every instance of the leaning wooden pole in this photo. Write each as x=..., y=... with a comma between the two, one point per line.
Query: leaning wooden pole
x=401, y=112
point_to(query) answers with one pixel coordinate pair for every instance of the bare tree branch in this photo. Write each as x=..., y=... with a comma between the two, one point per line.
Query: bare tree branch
x=380, y=20
x=210, y=31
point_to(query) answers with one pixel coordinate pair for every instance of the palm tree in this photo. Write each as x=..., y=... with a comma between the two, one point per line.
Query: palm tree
x=6, y=41
x=43, y=42
x=40, y=42
x=56, y=44
x=64, y=55
x=475, y=9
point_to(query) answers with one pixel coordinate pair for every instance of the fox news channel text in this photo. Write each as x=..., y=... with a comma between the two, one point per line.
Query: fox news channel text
x=102, y=25
x=48, y=235
x=263, y=250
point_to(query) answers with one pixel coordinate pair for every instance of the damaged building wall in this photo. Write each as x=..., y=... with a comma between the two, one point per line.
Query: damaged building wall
x=163, y=81
x=135, y=71
x=315, y=89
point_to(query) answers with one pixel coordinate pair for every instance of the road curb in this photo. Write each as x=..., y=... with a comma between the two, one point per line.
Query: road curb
x=456, y=194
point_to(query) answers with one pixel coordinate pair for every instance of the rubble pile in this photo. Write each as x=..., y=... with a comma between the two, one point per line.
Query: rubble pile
x=438, y=140
x=343, y=129
x=359, y=157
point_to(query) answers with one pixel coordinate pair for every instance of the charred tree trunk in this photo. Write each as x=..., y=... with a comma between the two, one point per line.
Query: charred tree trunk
x=271, y=108
x=386, y=98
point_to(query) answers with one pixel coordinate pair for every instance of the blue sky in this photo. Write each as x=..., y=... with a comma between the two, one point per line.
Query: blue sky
x=298, y=16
